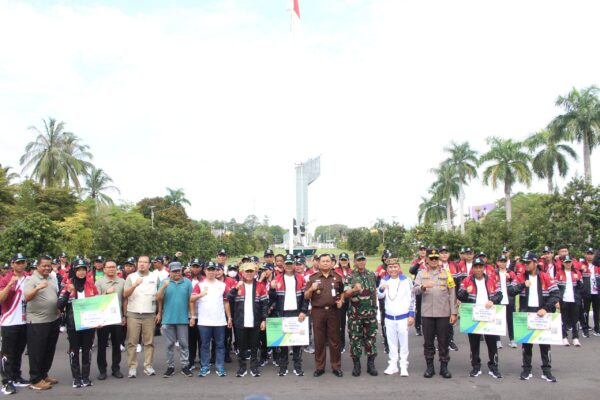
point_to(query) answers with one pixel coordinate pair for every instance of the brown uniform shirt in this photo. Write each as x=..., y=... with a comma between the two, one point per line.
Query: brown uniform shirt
x=329, y=291
x=438, y=301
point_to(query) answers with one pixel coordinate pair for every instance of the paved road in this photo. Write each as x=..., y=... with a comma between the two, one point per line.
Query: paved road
x=575, y=368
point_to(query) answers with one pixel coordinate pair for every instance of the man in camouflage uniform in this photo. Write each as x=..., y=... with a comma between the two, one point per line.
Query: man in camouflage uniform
x=361, y=288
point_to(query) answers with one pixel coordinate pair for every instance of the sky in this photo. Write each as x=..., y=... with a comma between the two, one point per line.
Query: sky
x=220, y=99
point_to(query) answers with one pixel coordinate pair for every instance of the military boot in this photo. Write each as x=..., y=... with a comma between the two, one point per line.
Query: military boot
x=371, y=366
x=356, y=369
x=444, y=370
x=430, y=371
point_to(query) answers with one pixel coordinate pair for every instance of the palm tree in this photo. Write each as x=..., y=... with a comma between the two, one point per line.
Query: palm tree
x=432, y=210
x=464, y=160
x=446, y=187
x=552, y=155
x=581, y=121
x=509, y=165
x=57, y=157
x=7, y=193
x=176, y=197
x=97, y=182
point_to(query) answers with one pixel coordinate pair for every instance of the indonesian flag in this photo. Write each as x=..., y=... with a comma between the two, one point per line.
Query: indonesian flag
x=295, y=15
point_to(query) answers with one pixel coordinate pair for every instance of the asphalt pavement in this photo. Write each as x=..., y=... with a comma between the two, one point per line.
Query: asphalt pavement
x=576, y=369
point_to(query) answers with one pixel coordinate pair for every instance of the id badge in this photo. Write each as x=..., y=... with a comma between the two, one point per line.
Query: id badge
x=333, y=293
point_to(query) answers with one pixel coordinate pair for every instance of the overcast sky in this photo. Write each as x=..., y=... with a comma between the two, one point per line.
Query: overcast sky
x=216, y=97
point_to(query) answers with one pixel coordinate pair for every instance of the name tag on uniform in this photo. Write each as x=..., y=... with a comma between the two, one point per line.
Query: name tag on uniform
x=332, y=292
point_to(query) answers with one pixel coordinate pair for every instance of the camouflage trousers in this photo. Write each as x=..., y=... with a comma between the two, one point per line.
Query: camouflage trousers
x=362, y=332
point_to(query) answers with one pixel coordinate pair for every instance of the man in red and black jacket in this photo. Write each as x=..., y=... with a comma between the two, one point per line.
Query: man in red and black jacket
x=286, y=295
x=248, y=327
x=590, y=274
x=547, y=263
x=481, y=289
x=570, y=285
x=418, y=264
x=539, y=294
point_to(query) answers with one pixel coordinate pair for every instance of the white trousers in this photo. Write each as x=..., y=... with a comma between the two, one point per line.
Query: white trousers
x=397, y=336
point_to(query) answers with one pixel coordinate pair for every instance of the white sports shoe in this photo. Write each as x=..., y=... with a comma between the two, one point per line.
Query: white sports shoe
x=391, y=370
x=499, y=344
x=565, y=342
x=403, y=372
x=576, y=342
x=138, y=349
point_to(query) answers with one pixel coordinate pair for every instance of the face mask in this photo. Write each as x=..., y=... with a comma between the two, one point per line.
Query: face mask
x=232, y=274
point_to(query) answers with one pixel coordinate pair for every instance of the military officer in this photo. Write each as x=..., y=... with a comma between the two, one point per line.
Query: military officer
x=361, y=288
x=438, y=307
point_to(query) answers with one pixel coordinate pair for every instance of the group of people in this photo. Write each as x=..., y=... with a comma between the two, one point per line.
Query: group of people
x=210, y=310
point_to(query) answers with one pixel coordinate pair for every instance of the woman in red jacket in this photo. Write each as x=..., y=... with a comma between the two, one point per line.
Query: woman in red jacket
x=78, y=286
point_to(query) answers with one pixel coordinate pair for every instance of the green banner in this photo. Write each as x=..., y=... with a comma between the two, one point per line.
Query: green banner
x=537, y=336
x=287, y=332
x=496, y=326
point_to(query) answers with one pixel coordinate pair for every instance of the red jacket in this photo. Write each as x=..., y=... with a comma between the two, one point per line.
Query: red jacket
x=576, y=281
x=548, y=292
x=494, y=291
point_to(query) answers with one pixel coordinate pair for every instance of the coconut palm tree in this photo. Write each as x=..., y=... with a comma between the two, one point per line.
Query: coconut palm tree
x=7, y=193
x=432, y=210
x=446, y=187
x=97, y=182
x=581, y=121
x=508, y=163
x=552, y=155
x=56, y=157
x=176, y=197
x=464, y=160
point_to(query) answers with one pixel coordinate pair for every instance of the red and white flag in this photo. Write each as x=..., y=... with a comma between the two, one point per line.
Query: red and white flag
x=295, y=15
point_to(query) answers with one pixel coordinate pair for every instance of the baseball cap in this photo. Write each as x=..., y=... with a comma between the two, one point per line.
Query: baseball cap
x=422, y=247
x=502, y=258
x=254, y=259
x=344, y=256
x=99, y=259
x=468, y=250
x=222, y=252
x=175, y=266
x=248, y=267
x=211, y=265
x=590, y=250
x=19, y=257
x=289, y=259
x=529, y=256
x=547, y=249
x=478, y=261
x=481, y=254
x=269, y=252
x=359, y=255
x=159, y=259
x=196, y=262
x=220, y=266
x=443, y=248
x=80, y=264
x=130, y=260
x=567, y=258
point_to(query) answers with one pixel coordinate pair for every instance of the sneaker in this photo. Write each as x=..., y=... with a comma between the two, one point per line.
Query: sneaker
x=41, y=385
x=343, y=349
x=117, y=374
x=452, y=346
x=298, y=372
x=494, y=373
x=499, y=344
x=596, y=333
x=21, y=382
x=566, y=342
x=254, y=371
x=85, y=382
x=576, y=342
x=186, y=371
x=512, y=344
x=475, y=372
x=138, y=348
x=132, y=373
x=241, y=372
x=263, y=363
x=548, y=377
x=309, y=350
x=418, y=331
x=391, y=370
x=585, y=334
x=525, y=375
x=177, y=343
x=403, y=372
x=221, y=372
x=8, y=388
x=282, y=371
x=149, y=371
x=275, y=363
x=77, y=383
x=169, y=372
x=62, y=329
x=122, y=348
x=203, y=372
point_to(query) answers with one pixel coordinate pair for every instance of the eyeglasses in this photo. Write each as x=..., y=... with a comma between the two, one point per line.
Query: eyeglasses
x=249, y=270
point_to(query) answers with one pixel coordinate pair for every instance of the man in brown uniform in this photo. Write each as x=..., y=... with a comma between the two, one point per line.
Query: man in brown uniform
x=438, y=307
x=325, y=290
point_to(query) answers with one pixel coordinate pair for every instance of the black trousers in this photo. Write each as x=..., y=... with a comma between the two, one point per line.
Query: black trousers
x=283, y=351
x=194, y=343
x=475, y=344
x=433, y=327
x=116, y=337
x=14, y=340
x=382, y=317
x=247, y=339
x=569, y=313
x=594, y=301
x=418, y=299
x=81, y=340
x=264, y=350
x=510, y=309
x=41, y=346
x=528, y=350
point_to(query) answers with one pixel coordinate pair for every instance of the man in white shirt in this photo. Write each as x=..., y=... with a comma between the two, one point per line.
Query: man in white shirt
x=396, y=290
x=140, y=291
